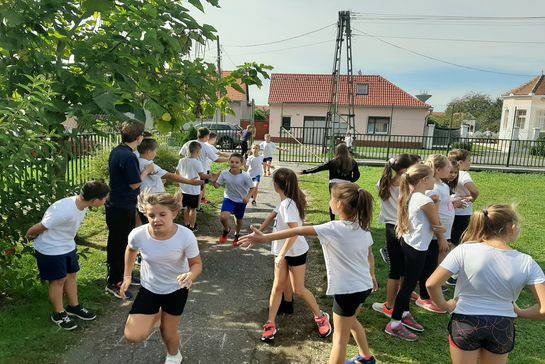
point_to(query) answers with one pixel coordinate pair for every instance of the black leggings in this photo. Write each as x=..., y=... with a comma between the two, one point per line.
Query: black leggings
x=461, y=222
x=395, y=252
x=418, y=267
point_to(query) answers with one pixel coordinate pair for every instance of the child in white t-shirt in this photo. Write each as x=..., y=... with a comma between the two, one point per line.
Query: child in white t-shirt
x=255, y=164
x=268, y=149
x=170, y=264
x=349, y=263
x=56, y=250
x=238, y=191
x=491, y=276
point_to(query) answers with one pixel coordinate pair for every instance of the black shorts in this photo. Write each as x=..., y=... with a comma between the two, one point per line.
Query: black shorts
x=149, y=303
x=55, y=267
x=296, y=261
x=190, y=201
x=347, y=304
x=460, y=224
x=395, y=253
x=493, y=333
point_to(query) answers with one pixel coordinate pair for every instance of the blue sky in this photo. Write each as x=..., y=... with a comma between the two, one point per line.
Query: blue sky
x=241, y=23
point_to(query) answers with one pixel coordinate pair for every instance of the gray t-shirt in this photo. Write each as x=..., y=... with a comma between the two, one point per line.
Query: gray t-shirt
x=237, y=186
x=163, y=260
x=490, y=279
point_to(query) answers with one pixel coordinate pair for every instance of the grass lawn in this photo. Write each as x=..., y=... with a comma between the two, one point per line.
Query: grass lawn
x=524, y=190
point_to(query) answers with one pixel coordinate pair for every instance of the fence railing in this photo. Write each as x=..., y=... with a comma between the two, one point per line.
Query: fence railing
x=308, y=145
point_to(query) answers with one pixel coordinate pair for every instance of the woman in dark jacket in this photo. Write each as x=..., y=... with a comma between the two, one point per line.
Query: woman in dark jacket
x=342, y=168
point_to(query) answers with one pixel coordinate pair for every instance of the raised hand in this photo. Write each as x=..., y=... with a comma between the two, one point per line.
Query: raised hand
x=125, y=286
x=247, y=241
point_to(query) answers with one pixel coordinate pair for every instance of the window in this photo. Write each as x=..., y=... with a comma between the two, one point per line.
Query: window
x=286, y=122
x=540, y=120
x=506, y=119
x=378, y=125
x=362, y=89
x=520, y=119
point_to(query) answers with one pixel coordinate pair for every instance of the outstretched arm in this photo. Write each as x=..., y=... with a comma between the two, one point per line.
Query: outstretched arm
x=258, y=237
x=323, y=167
x=177, y=178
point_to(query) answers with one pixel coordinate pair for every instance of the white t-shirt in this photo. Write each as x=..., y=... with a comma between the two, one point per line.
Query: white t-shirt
x=287, y=212
x=388, y=208
x=420, y=232
x=348, y=141
x=346, y=247
x=190, y=168
x=268, y=149
x=207, y=153
x=490, y=279
x=462, y=191
x=255, y=165
x=236, y=186
x=163, y=260
x=208, y=165
x=152, y=181
x=445, y=207
x=62, y=220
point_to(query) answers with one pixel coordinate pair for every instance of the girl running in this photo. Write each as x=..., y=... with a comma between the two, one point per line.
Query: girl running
x=290, y=254
x=349, y=264
x=342, y=168
x=388, y=191
x=417, y=221
x=491, y=276
x=255, y=164
x=238, y=191
x=170, y=264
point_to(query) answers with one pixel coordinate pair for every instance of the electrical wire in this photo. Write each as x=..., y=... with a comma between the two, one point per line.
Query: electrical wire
x=458, y=39
x=286, y=49
x=222, y=48
x=383, y=16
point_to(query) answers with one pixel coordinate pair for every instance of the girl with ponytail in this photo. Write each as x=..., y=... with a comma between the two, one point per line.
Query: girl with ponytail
x=349, y=263
x=491, y=276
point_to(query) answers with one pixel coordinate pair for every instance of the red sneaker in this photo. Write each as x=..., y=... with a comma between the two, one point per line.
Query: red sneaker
x=324, y=327
x=204, y=200
x=235, y=241
x=411, y=323
x=429, y=306
x=224, y=235
x=401, y=332
x=382, y=308
x=269, y=330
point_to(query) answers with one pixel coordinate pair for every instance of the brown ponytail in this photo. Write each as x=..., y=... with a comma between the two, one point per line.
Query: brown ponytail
x=356, y=203
x=410, y=178
x=490, y=223
x=286, y=180
x=402, y=161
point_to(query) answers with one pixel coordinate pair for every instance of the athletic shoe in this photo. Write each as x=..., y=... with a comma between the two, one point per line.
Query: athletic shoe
x=223, y=237
x=451, y=281
x=384, y=254
x=414, y=296
x=429, y=306
x=114, y=289
x=63, y=321
x=382, y=308
x=204, y=200
x=411, y=323
x=324, y=327
x=358, y=359
x=135, y=281
x=269, y=330
x=174, y=359
x=235, y=241
x=286, y=307
x=401, y=332
x=80, y=312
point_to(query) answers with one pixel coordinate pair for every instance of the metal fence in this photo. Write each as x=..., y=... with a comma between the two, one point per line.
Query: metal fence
x=308, y=145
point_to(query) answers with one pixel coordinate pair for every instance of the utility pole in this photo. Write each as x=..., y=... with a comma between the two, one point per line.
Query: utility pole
x=219, y=114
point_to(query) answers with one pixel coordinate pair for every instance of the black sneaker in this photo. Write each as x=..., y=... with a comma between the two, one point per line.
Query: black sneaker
x=451, y=281
x=63, y=321
x=286, y=307
x=384, y=255
x=135, y=281
x=80, y=312
x=114, y=289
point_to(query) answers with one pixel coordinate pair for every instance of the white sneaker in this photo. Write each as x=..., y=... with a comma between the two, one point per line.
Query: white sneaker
x=173, y=359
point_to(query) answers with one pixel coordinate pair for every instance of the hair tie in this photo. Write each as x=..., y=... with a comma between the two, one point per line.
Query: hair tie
x=391, y=161
x=360, y=189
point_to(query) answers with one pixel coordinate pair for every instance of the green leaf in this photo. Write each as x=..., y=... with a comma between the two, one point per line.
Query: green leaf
x=197, y=4
x=102, y=6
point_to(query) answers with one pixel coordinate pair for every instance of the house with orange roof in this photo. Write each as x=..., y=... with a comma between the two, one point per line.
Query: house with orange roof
x=240, y=103
x=523, y=113
x=302, y=100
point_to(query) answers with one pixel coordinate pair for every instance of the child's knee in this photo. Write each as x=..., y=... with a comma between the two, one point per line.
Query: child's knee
x=134, y=337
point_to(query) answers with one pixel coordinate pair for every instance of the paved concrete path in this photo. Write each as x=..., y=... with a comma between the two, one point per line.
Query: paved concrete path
x=224, y=313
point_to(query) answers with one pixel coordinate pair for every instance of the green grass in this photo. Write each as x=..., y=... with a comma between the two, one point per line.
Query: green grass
x=523, y=189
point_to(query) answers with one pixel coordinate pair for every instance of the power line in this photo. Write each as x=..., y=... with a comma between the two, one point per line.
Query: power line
x=382, y=16
x=228, y=56
x=280, y=40
x=285, y=49
x=442, y=60
x=458, y=39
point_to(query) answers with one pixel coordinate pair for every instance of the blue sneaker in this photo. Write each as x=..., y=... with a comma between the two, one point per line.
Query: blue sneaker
x=358, y=359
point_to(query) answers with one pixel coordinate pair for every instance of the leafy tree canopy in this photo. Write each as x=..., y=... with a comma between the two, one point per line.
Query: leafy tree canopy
x=480, y=107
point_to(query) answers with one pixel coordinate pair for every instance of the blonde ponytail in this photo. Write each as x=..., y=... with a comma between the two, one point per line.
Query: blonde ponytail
x=409, y=179
x=489, y=223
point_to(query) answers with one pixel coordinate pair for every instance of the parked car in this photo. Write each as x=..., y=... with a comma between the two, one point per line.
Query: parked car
x=228, y=134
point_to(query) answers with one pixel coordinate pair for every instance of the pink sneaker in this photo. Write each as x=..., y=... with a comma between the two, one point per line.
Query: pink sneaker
x=414, y=296
x=411, y=323
x=401, y=332
x=429, y=306
x=324, y=327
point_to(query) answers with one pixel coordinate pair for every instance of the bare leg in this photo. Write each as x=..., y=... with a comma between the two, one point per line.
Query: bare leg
x=56, y=288
x=358, y=333
x=463, y=357
x=341, y=335
x=71, y=289
x=224, y=219
x=297, y=276
x=169, y=332
x=192, y=217
x=255, y=191
x=490, y=358
x=288, y=291
x=392, y=287
x=139, y=327
x=280, y=274
x=239, y=225
x=186, y=216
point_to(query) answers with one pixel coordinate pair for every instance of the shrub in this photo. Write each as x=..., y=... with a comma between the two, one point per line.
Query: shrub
x=167, y=157
x=539, y=148
x=99, y=165
x=462, y=145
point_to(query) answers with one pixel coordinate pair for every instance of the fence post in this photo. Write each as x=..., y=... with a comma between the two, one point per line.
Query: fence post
x=388, y=146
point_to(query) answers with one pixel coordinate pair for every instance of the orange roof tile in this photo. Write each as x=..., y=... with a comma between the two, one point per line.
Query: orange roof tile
x=535, y=86
x=233, y=94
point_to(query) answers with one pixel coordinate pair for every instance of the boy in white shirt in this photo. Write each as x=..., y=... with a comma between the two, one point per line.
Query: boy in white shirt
x=268, y=148
x=56, y=250
x=191, y=168
x=256, y=164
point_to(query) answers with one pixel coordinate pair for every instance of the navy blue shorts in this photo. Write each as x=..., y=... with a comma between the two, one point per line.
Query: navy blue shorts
x=54, y=267
x=268, y=159
x=236, y=208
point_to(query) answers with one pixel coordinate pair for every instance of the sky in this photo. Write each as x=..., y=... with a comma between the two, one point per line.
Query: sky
x=243, y=23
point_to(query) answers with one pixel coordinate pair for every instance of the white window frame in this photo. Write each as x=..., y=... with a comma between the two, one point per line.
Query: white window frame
x=362, y=89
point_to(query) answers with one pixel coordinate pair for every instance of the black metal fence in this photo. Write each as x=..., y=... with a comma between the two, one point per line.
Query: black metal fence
x=307, y=145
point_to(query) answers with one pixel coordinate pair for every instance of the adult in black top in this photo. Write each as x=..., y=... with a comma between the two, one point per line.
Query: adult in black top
x=342, y=168
x=245, y=137
x=125, y=180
